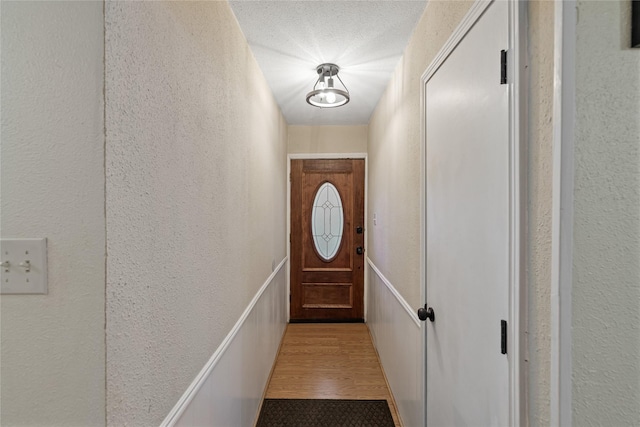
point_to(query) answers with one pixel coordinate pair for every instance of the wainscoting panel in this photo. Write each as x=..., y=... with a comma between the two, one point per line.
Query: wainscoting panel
x=228, y=390
x=398, y=337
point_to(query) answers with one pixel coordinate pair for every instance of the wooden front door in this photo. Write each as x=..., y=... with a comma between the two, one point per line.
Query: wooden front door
x=327, y=240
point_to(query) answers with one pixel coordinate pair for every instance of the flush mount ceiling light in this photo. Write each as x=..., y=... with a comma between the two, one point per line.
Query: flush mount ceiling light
x=324, y=94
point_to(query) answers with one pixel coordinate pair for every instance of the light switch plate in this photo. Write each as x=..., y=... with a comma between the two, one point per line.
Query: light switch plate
x=23, y=266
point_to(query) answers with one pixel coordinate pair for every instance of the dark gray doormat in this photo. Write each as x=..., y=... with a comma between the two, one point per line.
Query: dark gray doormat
x=324, y=413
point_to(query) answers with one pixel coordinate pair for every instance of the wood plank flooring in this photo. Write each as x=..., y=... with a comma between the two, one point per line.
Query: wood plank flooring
x=328, y=361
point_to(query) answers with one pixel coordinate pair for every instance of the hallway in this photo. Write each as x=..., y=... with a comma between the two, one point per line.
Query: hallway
x=145, y=143
x=328, y=361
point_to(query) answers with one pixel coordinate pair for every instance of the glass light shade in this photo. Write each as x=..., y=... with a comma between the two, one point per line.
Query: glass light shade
x=319, y=98
x=324, y=94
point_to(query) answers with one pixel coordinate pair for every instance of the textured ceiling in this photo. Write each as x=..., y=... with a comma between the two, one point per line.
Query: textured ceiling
x=291, y=38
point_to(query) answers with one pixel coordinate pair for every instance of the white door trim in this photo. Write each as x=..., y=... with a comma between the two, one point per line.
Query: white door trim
x=518, y=113
x=517, y=57
x=565, y=18
x=310, y=156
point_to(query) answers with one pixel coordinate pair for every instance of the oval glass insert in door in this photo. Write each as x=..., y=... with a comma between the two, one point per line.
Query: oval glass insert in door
x=327, y=221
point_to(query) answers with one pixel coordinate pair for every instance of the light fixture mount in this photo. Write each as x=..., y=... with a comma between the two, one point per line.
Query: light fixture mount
x=324, y=93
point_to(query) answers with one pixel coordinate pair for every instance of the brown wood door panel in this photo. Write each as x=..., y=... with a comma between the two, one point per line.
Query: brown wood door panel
x=338, y=276
x=328, y=165
x=330, y=289
x=327, y=295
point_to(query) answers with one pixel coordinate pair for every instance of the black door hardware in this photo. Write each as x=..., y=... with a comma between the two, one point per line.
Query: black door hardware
x=359, y=250
x=359, y=230
x=425, y=313
x=503, y=336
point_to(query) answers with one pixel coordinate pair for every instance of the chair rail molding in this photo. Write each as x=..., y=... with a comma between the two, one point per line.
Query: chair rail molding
x=398, y=336
x=228, y=389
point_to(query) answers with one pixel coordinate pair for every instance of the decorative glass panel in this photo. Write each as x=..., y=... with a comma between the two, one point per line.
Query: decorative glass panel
x=327, y=220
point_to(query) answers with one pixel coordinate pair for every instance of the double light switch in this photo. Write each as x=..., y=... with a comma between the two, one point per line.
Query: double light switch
x=23, y=266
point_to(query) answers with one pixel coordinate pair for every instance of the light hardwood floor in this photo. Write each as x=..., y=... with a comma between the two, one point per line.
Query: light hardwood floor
x=328, y=361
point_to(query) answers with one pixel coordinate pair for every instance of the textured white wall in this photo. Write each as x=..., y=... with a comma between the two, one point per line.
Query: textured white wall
x=539, y=150
x=53, y=186
x=196, y=190
x=394, y=154
x=327, y=139
x=606, y=268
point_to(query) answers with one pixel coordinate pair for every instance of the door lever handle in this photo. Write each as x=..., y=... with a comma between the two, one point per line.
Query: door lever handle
x=425, y=313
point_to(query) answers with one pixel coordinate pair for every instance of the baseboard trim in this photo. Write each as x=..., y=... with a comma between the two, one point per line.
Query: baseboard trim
x=410, y=311
x=326, y=320
x=386, y=380
x=273, y=368
x=188, y=396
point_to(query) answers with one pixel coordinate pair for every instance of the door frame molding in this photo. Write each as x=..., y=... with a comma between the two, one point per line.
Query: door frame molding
x=517, y=81
x=313, y=156
x=564, y=112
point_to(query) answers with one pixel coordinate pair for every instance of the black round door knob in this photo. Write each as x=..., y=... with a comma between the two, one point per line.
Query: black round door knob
x=425, y=313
